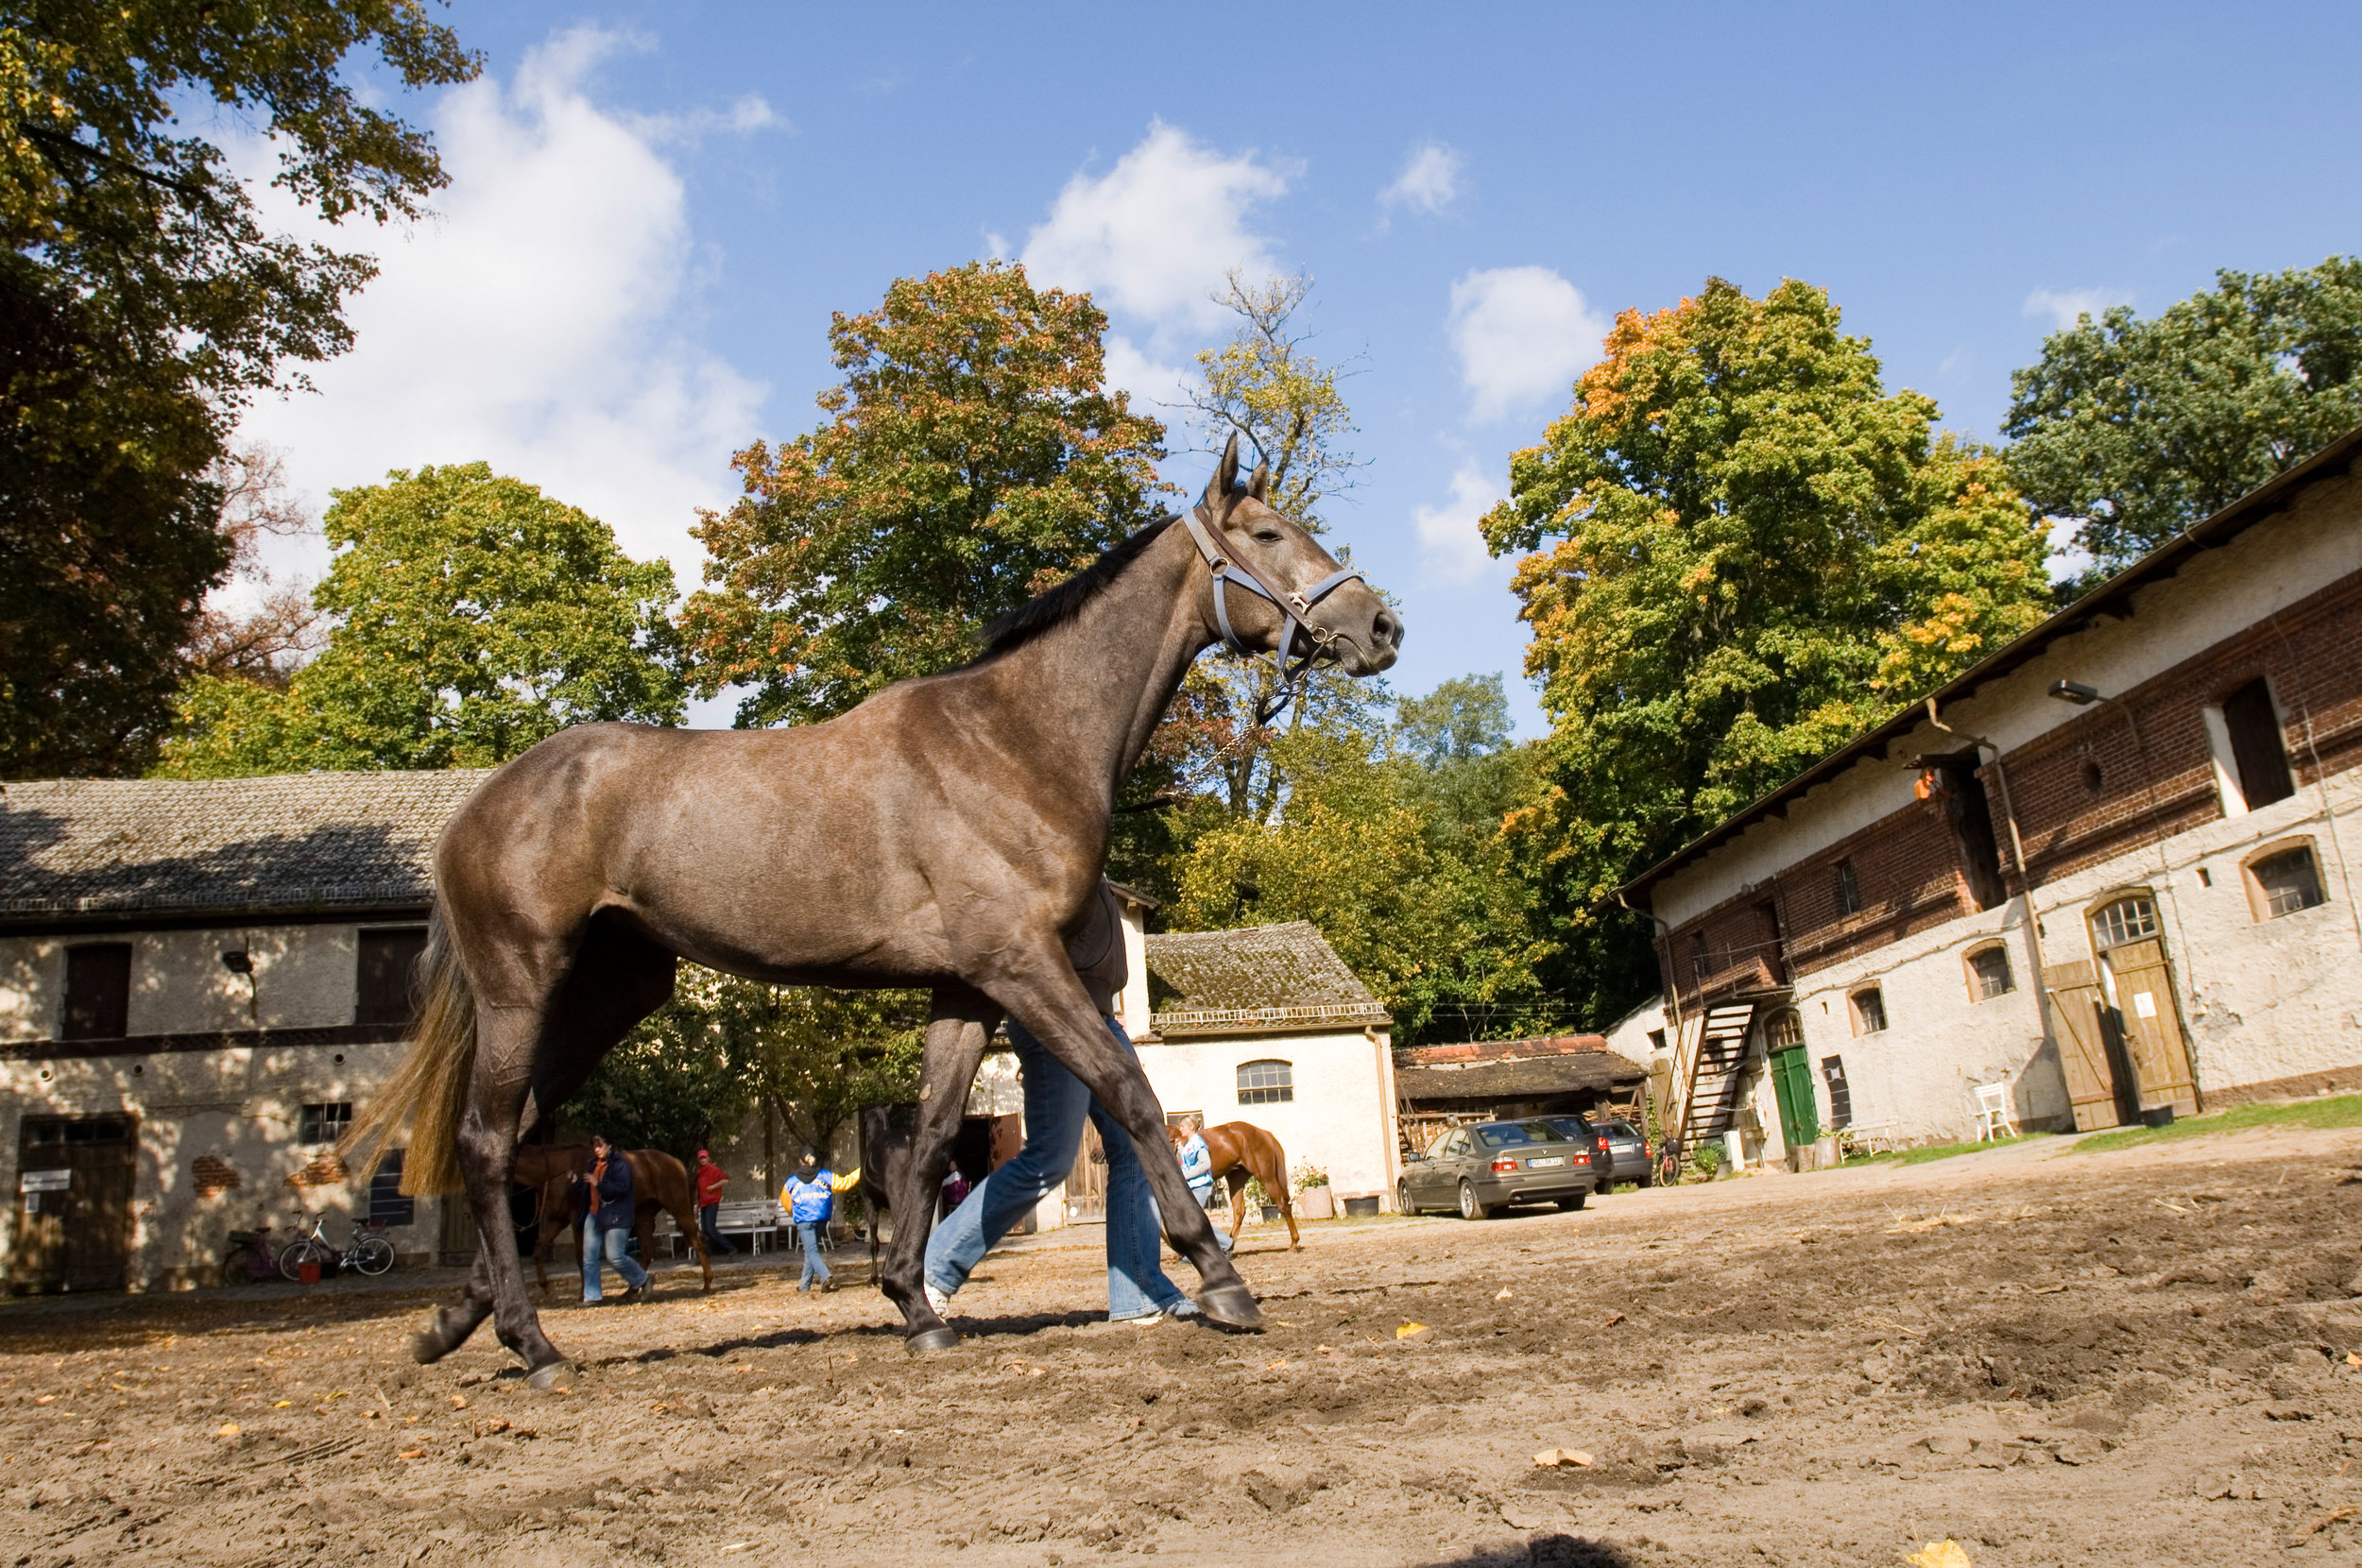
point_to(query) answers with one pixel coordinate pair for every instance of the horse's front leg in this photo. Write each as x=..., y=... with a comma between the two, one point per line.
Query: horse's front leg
x=961, y=1022
x=1053, y=1003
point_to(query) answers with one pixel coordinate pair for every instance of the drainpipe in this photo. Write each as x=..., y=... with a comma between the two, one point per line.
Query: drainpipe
x=2025, y=872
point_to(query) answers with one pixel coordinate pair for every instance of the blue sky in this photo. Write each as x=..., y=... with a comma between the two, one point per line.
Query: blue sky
x=654, y=209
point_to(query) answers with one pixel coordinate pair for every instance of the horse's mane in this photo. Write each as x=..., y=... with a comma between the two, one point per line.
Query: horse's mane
x=1056, y=606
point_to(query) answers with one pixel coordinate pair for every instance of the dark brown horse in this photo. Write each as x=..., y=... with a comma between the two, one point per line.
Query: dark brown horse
x=660, y=1181
x=1242, y=1153
x=949, y=832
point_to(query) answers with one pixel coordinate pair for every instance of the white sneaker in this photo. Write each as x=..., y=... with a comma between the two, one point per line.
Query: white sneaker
x=1180, y=1311
x=941, y=1302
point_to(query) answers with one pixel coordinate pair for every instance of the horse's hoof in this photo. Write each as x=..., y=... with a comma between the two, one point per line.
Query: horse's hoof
x=427, y=1347
x=556, y=1378
x=1231, y=1306
x=933, y=1340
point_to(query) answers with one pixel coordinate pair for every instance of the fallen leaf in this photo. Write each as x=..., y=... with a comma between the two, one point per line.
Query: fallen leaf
x=1612, y=1319
x=1413, y=1331
x=47, y=1399
x=1502, y=1295
x=2354, y=1358
x=411, y=1454
x=229, y=1429
x=460, y=1402
x=1275, y=1366
x=281, y=1404
x=1947, y=1553
x=1554, y=1458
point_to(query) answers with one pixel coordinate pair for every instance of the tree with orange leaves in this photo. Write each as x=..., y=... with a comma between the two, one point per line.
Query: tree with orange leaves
x=970, y=459
x=1740, y=551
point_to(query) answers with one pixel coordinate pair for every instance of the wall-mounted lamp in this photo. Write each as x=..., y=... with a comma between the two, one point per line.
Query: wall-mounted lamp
x=2075, y=691
x=237, y=962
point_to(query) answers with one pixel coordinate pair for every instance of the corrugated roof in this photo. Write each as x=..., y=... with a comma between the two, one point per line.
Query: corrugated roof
x=87, y=846
x=1541, y=1075
x=2113, y=597
x=1259, y=978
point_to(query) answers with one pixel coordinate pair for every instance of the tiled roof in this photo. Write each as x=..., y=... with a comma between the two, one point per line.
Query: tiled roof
x=1546, y=1075
x=296, y=840
x=1263, y=977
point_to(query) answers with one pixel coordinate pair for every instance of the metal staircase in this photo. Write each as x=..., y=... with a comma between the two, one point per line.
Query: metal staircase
x=1710, y=1088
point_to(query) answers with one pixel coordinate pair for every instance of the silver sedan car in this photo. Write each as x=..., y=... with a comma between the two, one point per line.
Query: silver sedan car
x=1493, y=1164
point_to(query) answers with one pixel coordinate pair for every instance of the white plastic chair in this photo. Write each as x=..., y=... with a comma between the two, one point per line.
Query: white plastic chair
x=1992, y=1112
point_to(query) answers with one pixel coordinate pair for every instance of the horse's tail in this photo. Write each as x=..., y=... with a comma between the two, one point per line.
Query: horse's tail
x=429, y=1091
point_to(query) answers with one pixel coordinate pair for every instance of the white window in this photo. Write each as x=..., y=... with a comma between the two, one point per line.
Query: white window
x=1269, y=1082
x=1870, y=1012
x=2128, y=919
x=2285, y=879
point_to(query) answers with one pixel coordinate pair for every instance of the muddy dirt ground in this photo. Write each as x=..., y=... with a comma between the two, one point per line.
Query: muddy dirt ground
x=2137, y=1357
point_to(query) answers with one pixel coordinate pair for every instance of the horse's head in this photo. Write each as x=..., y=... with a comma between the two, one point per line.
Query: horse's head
x=1317, y=613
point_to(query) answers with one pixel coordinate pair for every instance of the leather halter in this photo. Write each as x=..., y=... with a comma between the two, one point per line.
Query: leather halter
x=1296, y=609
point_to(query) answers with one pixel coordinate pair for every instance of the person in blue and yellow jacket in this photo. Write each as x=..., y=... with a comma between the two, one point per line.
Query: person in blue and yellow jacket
x=809, y=1196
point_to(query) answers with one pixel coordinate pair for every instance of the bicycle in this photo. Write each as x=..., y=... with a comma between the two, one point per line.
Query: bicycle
x=370, y=1252
x=249, y=1259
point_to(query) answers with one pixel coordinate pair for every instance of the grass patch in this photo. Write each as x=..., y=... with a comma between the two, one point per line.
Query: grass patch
x=1939, y=1151
x=2329, y=1111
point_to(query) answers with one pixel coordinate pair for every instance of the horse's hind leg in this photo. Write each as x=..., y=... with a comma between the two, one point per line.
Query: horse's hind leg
x=962, y=1020
x=1238, y=1179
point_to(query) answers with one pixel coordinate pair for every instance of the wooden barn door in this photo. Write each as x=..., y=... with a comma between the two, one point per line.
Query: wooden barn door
x=1086, y=1183
x=74, y=1202
x=2151, y=1025
x=2083, y=1040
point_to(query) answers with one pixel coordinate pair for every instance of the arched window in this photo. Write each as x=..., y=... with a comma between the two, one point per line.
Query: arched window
x=2131, y=918
x=2283, y=879
x=1989, y=972
x=1267, y=1082
x=1782, y=1030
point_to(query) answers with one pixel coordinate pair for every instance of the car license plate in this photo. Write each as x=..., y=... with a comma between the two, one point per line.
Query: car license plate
x=1544, y=1164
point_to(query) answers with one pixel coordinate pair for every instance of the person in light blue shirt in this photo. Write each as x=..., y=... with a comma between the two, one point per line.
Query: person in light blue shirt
x=1197, y=1169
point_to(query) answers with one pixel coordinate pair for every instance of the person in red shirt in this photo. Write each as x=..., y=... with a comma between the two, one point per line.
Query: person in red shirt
x=711, y=1179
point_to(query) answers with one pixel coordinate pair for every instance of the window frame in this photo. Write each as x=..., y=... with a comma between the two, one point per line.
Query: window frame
x=1282, y=1092
x=312, y=1117
x=1849, y=898
x=2099, y=907
x=1854, y=1007
x=2258, y=901
x=1978, y=995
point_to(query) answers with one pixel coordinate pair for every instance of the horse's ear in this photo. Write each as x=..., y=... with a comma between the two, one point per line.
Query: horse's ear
x=1217, y=497
x=1259, y=482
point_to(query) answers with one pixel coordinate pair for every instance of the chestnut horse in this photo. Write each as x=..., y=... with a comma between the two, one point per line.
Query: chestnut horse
x=949, y=832
x=659, y=1182
x=1242, y=1150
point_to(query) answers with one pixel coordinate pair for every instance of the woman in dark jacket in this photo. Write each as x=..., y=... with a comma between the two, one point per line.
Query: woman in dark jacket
x=604, y=1192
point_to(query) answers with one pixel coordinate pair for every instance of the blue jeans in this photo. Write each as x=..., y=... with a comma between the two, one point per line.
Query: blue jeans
x=815, y=1233
x=607, y=1243
x=1055, y=1104
x=708, y=1223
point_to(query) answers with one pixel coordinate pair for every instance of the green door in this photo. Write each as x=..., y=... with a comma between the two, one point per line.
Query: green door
x=1800, y=1114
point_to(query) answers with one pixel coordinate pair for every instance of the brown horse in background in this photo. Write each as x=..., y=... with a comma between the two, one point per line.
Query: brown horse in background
x=1241, y=1151
x=659, y=1182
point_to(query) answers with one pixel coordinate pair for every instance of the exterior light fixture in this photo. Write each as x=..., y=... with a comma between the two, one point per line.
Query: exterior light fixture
x=237, y=962
x=2075, y=691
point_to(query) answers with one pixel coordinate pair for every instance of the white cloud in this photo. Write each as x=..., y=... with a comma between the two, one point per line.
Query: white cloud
x=1454, y=550
x=1522, y=335
x=1155, y=235
x=2064, y=305
x=1429, y=179
x=531, y=323
x=1156, y=388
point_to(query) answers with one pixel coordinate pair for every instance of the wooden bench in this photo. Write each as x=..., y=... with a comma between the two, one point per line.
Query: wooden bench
x=758, y=1219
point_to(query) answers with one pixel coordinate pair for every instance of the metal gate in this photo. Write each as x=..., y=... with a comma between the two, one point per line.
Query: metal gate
x=74, y=1202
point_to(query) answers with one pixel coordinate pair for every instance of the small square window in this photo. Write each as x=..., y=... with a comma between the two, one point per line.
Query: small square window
x=1989, y=973
x=324, y=1123
x=2288, y=881
x=1870, y=1012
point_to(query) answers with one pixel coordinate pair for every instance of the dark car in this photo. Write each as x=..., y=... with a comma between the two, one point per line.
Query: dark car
x=1493, y=1165
x=1628, y=1152
x=1585, y=1132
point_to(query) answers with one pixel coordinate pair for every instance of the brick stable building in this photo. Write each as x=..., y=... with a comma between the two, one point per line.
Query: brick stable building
x=2106, y=868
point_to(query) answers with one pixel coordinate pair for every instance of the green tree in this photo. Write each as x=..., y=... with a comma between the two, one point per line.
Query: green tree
x=1744, y=552
x=475, y=617
x=141, y=299
x=2134, y=429
x=971, y=458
